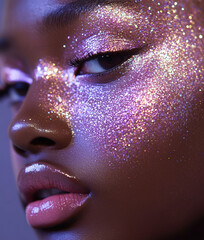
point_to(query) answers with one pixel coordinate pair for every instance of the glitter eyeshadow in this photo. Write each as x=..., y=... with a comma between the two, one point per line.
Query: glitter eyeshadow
x=154, y=95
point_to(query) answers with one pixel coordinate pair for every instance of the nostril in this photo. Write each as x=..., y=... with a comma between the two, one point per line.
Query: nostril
x=42, y=141
x=33, y=135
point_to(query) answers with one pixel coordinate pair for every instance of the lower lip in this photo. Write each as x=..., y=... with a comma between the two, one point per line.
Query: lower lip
x=54, y=210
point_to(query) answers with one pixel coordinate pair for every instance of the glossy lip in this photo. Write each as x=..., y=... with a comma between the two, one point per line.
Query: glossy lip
x=52, y=210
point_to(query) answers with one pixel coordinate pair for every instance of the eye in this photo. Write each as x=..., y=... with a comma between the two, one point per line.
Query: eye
x=101, y=63
x=17, y=92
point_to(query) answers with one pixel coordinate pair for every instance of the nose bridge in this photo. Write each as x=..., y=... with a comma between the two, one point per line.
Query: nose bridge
x=35, y=128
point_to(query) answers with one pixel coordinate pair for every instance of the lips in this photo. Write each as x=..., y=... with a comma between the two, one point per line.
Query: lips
x=50, y=195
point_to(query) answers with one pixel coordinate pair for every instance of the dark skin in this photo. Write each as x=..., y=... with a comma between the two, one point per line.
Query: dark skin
x=147, y=188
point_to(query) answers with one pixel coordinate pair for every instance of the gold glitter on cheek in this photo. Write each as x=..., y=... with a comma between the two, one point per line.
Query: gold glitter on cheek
x=57, y=90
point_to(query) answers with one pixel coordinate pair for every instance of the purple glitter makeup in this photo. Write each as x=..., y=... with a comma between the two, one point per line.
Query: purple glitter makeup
x=150, y=98
x=112, y=94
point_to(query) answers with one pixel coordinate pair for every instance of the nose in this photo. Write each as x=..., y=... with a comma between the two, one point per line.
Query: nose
x=34, y=130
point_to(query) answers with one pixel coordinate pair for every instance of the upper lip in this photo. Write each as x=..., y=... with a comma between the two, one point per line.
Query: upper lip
x=42, y=176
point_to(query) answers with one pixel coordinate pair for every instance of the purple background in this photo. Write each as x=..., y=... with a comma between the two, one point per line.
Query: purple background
x=13, y=225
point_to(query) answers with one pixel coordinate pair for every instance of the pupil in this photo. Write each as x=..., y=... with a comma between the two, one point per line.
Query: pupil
x=108, y=61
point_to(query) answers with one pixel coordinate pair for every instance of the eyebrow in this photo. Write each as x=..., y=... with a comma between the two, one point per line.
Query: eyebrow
x=71, y=11
x=64, y=15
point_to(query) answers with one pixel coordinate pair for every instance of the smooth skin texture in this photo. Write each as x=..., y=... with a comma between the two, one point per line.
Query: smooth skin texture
x=129, y=127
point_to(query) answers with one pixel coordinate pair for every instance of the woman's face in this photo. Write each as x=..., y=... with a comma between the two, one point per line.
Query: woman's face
x=107, y=143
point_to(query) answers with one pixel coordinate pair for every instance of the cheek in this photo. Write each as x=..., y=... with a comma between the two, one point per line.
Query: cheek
x=144, y=113
x=157, y=108
x=150, y=111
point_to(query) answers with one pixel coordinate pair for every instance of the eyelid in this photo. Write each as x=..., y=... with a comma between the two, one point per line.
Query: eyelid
x=102, y=43
x=12, y=75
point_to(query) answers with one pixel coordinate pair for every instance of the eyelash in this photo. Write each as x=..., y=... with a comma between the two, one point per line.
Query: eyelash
x=76, y=62
x=127, y=54
x=16, y=91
